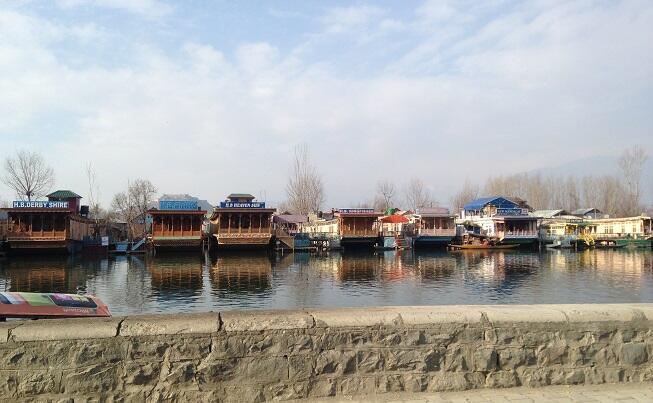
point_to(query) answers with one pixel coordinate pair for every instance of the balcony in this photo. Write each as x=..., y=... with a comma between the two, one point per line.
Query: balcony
x=437, y=232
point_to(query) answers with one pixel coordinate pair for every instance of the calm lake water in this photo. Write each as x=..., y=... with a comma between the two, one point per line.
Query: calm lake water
x=195, y=282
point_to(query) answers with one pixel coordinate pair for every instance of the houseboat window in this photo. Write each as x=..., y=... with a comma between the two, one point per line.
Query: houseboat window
x=186, y=223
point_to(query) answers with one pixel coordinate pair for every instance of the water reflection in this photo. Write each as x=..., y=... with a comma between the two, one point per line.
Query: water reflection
x=196, y=282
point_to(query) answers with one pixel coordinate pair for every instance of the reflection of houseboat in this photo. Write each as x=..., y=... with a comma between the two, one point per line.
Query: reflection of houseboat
x=434, y=227
x=241, y=273
x=176, y=224
x=358, y=226
x=501, y=218
x=241, y=222
x=178, y=273
x=58, y=224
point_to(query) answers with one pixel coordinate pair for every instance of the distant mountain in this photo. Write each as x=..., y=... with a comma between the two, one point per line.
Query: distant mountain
x=602, y=165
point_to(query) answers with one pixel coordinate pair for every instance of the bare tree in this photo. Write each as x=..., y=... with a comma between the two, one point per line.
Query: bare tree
x=632, y=162
x=93, y=191
x=28, y=175
x=468, y=193
x=386, y=192
x=417, y=195
x=304, y=190
x=132, y=204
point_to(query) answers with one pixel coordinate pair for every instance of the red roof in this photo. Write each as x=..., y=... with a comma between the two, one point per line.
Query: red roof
x=394, y=219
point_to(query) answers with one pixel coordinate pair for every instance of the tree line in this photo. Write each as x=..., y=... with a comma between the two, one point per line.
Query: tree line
x=28, y=175
x=618, y=195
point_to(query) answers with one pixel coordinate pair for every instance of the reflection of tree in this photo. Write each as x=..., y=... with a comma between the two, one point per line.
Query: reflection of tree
x=242, y=273
x=176, y=272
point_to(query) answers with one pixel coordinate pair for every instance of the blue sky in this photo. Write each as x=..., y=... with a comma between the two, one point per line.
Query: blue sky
x=210, y=98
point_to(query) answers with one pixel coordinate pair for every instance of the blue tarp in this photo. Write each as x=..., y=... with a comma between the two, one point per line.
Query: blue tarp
x=497, y=201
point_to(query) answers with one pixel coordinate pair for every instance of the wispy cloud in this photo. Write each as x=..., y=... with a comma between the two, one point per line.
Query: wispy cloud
x=151, y=9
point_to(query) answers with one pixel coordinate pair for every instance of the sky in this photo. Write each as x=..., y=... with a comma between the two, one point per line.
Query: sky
x=210, y=98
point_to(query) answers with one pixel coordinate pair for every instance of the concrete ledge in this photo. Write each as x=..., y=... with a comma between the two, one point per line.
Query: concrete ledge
x=66, y=329
x=244, y=321
x=152, y=325
x=239, y=321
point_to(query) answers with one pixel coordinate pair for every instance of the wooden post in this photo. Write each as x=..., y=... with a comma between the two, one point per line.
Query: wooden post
x=240, y=223
x=229, y=225
x=250, y=223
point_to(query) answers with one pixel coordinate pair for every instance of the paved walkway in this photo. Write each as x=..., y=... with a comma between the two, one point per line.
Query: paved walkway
x=622, y=393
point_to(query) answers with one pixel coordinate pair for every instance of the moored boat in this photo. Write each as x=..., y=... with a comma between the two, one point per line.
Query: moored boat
x=482, y=247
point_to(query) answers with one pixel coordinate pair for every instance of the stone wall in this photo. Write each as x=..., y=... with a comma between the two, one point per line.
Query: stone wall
x=257, y=356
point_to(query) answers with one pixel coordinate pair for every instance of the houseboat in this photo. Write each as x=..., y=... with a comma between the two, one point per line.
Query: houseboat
x=395, y=231
x=627, y=231
x=501, y=218
x=323, y=231
x=241, y=222
x=358, y=227
x=287, y=231
x=58, y=224
x=434, y=226
x=559, y=229
x=176, y=224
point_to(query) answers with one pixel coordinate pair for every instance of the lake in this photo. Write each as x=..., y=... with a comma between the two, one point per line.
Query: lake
x=198, y=282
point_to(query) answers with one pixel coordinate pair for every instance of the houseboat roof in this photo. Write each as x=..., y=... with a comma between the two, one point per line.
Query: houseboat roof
x=583, y=211
x=64, y=194
x=240, y=196
x=497, y=201
x=154, y=211
x=434, y=212
x=550, y=213
x=290, y=219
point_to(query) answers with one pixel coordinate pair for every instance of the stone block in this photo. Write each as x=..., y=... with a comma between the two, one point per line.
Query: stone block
x=357, y=386
x=600, y=313
x=335, y=363
x=454, y=381
x=152, y=325
x=456, y=358
x=286, y=391
x=247, y=321
x=633, y=353
x=485, y=359
x=534, y=377
x=215, y=372
x=321, y=388
x=515, y=357
x=552, y=354
x=415, y=383
x=141, y=374
x=66, y=329
x=34, y=383
x=94, y=379
x=356, y=317
x=370, y=361
x=413, y=360
x=266, y=370
x=502, y=379
x=5, y=330
x=300, y=367
x=390, y=383
x=242, y=394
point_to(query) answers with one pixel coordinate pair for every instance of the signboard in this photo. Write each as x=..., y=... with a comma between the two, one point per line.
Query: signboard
x=356, y=210
x=105, y=241
x=511, y=211
x=177, y=204
x=228, y=204
x=40, y=204
x=27, y=304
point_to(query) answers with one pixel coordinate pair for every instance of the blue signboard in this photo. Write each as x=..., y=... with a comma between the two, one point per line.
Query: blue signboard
x=511, y=211
x=177, y=204
x=356, y=210
x=228, y=204
x=40, y=204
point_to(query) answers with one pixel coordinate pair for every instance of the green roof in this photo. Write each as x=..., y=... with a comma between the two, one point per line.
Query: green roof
x=64, y=194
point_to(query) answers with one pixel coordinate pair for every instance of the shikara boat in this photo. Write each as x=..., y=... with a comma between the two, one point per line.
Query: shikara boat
x=482, y=247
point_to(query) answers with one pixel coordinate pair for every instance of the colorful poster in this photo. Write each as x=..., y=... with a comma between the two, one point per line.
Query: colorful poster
x=42, y=305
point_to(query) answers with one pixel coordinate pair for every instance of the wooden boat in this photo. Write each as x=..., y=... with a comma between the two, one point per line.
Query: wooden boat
x=482, y=247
